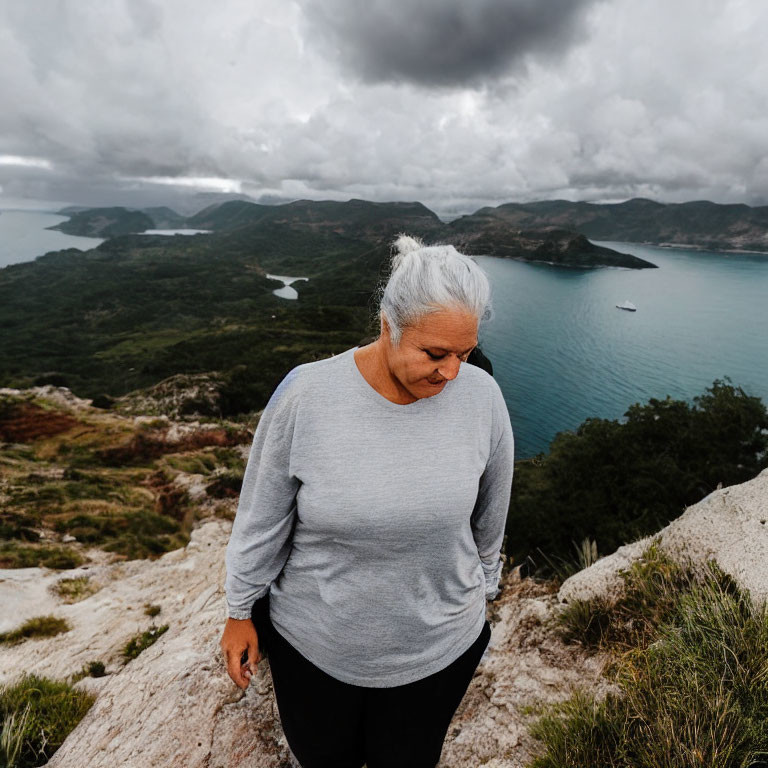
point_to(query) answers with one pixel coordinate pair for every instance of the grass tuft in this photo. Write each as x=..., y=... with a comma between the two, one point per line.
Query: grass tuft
x=38, y=626
x=91, y=669
x=142, y=641
x=563, y=568
x=37, y=714
x=691, y=665
x=74, y=589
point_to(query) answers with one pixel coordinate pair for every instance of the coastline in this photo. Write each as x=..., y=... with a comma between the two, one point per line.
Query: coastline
x=695, y=247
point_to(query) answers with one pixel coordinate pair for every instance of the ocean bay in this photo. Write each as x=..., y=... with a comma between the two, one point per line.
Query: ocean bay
x=24, y=236
x=563, y=352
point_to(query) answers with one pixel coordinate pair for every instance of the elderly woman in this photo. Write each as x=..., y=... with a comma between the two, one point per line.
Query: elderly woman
x=368, y=533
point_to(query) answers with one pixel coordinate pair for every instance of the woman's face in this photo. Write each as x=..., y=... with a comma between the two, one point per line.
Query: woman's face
x=431, y=351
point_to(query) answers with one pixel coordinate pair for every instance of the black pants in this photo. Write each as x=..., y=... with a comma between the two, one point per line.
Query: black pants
x=332, y=724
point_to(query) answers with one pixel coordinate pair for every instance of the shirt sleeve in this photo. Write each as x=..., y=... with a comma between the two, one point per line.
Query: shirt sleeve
x=261, y=536
x=489, y=515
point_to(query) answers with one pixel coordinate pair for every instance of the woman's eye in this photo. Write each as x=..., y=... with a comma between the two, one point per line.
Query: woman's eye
x=463, y=358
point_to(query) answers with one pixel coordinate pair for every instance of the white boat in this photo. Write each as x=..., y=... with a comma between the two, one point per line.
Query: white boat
x=628, y=305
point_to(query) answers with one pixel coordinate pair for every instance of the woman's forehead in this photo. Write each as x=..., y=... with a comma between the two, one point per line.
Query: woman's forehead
x=450, y=332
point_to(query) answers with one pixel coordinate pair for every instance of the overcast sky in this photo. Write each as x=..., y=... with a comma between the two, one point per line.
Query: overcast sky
x=456, y=103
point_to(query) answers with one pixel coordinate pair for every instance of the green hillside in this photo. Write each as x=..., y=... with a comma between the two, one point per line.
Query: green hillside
x=105, y=222
x=699, y=223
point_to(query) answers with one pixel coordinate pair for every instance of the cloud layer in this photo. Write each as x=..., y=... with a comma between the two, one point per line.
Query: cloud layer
x=441, y=42
x=455, y=104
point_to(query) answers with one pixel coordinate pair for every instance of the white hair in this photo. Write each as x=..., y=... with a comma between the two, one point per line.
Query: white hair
x=431, y=278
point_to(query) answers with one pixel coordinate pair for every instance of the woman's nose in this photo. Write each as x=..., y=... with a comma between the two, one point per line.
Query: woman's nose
x=450, y=368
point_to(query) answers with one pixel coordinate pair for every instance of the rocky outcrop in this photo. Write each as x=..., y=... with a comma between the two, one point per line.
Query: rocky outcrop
x=730, y=526
x=174, y=705
x=181, y=396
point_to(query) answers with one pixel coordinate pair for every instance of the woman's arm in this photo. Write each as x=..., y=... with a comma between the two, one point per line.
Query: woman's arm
x=260, y=541
x=489, y=516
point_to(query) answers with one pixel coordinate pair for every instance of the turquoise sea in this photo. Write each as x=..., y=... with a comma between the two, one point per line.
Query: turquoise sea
x=562, y=351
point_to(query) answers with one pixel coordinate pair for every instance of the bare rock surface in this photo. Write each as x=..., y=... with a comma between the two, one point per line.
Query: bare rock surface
x=729, y=526
x=174, y=705
x=526, y=664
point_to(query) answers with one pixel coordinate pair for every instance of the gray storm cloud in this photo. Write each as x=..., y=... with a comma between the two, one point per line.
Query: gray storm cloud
x=457, y=105
x=442, y=42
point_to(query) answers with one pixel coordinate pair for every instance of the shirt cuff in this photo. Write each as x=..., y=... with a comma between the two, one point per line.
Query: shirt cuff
x=492, y=573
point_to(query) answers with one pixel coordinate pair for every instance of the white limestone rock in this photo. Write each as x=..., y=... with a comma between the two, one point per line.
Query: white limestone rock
x=730, y=526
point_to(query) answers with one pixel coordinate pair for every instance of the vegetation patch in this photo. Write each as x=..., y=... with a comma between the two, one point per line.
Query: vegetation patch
x=133, y=509
x=23, y=422
x=226, y=485
x=690, y=652
x=199, y=463
x=91, y=669
x=17, y=525
x=206, y=461
x=37, y=714
x=142, y=641
x=134, y=534
x=618, y=481
x=38, y=626
x=14, y=555
x=72, y=590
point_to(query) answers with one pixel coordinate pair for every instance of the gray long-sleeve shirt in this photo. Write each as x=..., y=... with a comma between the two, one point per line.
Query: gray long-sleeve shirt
x=376, y=527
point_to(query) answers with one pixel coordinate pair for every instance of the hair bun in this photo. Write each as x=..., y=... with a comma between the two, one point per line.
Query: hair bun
x=407, y=244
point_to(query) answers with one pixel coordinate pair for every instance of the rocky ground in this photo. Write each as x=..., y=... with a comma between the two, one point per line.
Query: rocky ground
x=174, y=704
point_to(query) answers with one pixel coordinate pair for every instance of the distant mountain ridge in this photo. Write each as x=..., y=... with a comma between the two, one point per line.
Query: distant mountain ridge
x=701, y=224
x=361, y=220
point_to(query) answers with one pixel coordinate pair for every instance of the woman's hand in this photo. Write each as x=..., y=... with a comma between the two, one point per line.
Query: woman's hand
x=240, y=645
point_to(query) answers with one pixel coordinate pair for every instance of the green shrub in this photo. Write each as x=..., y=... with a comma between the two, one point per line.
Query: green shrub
x=38, y=626
x=225, y=484
x=199, y=463
x=617, y=482
x=37, y=715
x=15, y=525
x=142, y=641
